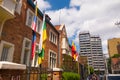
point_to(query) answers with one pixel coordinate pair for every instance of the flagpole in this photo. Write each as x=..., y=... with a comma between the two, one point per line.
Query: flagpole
x=33, y=36
x=41, y=43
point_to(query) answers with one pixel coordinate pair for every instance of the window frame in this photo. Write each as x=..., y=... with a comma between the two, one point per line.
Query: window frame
x=29, y=11
x=54, y=65
x=10, y=52
x=53, y=37
x=25, y=48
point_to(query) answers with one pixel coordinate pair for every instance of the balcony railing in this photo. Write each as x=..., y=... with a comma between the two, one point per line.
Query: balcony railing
x=7, y=9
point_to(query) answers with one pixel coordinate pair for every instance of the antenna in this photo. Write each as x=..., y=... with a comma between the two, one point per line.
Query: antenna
x=59, y=17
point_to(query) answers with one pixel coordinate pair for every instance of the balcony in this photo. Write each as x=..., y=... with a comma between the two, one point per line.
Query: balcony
x=7, y=9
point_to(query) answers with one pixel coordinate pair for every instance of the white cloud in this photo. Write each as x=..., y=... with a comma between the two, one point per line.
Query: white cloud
x=96, y=16
x=74, y=3
x=43, y=5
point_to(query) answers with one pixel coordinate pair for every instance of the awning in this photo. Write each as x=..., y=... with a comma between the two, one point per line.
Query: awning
x=57, y=69
x=11, y=65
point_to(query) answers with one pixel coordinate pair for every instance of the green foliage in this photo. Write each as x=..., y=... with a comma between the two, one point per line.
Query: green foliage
x=70, y=76
x=109, y=62
x=97, y=72
x=69, y=65
x=43, y=76
x=109, y=65
x=116, y=56
x=91, y=69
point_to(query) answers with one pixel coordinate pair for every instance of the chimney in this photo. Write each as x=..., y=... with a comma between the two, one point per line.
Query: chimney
x=47, y=17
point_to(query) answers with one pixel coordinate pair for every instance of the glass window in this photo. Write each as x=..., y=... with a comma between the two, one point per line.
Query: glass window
x=26, y=51
x=30, y=18
x=36, y=55
x=5, y=52
x=38, y=26
x=52, y=60
x=53, y=37
x=25, y=56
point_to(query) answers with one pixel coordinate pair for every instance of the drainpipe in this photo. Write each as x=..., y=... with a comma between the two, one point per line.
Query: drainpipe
x=1, y=27
x=59, y=50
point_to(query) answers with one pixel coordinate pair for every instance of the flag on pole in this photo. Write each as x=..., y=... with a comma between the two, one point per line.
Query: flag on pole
x=74, y=54
x=33, y=44
x=42, y=42
x=33, y=33
x=35, y=18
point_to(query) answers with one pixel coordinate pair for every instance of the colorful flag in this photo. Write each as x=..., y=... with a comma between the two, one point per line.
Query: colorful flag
x=33, y=33
x=76, y=56
x=42, y=40
x=33, y=44
x=35, y=18
x=73, y=51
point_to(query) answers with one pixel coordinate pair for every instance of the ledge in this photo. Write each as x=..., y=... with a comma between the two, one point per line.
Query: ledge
x=57, y=69
x=10, y=65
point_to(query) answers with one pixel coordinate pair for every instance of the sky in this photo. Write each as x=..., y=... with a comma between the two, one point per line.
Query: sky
x=96, y=16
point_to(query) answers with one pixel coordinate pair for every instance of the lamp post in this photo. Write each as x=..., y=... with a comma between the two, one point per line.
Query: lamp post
x=106, y=69
x=117, y=23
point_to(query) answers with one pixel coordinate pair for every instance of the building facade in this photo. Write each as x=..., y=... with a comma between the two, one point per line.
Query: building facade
x=91, y=47
x=63, y=42
x=16, y=17
x=113, y=46
x=115, y=65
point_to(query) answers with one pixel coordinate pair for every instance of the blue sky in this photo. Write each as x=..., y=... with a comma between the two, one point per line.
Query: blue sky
x=96, y=16
x=58, y=4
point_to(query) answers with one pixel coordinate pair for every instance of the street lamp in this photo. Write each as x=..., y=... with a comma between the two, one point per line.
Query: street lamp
x=106, y=71
x=117, y=23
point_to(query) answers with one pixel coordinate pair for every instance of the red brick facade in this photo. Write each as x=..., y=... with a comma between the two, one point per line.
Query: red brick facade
x=15, y=30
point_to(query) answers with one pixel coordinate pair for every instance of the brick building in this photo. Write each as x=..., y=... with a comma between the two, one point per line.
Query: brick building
x=16, y=17
x=63, y=40
x=115, y=66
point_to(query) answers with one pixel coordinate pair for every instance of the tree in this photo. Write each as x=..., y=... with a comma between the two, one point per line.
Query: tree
x=109, y=65
x=109, y=61
x=91, y=69
x=116, y=56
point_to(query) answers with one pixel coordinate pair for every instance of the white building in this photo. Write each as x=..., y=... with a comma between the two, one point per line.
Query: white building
x=91, y=47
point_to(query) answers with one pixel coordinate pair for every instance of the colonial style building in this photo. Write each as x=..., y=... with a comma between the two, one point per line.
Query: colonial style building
x=63, y=42
x=16, y=17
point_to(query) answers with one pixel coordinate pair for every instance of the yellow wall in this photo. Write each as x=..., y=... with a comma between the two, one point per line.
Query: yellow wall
x=112, y=46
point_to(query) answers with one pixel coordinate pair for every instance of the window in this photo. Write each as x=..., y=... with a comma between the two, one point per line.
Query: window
x=6, y=51
x=26, y=51
x=39, y=25
x=29, y=20
x=18, y=6
x=36, y=56
x=53, y=37
x=52, y=59
x=30, y=16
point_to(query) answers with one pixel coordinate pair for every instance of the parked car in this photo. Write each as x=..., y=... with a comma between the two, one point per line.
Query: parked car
x=113, y=77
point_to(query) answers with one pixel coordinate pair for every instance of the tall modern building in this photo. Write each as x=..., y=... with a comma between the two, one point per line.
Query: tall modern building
x=91, y=47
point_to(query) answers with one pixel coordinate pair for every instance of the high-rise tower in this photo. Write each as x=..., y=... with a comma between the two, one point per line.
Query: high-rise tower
x=91, y=47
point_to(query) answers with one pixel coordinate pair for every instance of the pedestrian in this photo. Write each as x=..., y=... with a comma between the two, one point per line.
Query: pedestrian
x=94, y=77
